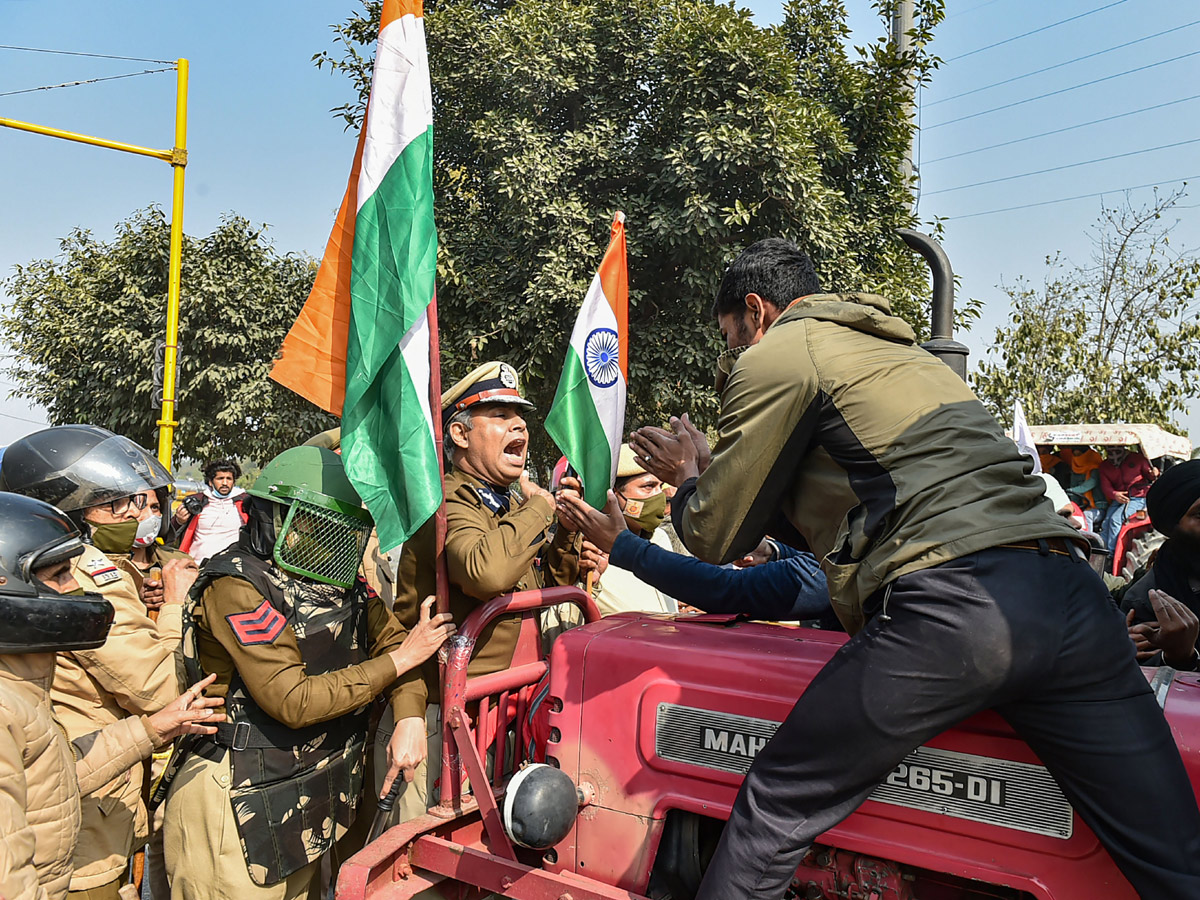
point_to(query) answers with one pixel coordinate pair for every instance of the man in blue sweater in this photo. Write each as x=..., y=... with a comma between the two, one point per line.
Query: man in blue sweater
x=788, y=587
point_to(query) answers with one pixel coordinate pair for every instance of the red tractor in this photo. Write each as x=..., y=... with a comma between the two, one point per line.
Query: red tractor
x=653, y=722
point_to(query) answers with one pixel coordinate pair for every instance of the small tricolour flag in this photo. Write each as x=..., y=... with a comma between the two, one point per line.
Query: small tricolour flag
x=361, y=347
x=587, y=417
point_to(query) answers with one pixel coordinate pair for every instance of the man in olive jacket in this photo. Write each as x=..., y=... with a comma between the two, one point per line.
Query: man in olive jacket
x=963, y=590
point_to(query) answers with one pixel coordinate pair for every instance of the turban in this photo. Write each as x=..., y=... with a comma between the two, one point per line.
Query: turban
x=1173, y=495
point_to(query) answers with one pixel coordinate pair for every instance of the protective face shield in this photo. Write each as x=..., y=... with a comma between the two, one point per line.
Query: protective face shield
x=320, y=541
x=34, y=618
x=321, y=528
x=725, y=363
x=74, y=467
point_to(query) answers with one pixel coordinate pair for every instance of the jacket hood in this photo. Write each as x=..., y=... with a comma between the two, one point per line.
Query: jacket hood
x=869, y=313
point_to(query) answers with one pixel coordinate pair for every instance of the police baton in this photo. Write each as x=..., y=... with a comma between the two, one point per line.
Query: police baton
x=384, y=810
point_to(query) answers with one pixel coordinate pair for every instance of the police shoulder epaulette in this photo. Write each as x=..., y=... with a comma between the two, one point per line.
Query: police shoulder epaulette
x=101, y=570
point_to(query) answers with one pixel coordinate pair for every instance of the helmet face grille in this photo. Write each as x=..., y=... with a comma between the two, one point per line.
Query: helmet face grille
x=321, y=544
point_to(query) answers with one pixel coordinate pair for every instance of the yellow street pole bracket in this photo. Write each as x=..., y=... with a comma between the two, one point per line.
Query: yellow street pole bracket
x=166, y=421
x=177, y=157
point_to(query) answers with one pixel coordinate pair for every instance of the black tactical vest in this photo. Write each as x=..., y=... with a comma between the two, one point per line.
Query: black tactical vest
x=294, y=792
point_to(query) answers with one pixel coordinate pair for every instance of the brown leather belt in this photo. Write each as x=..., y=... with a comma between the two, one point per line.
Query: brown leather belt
x=1061, y=546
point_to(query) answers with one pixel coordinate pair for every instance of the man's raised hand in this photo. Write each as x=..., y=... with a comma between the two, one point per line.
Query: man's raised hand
x=671, y=457
x=683, y=425
x=1178, y=628
x=431, y=631
x=601, y=527
x=1173, y=633
x=529, y=489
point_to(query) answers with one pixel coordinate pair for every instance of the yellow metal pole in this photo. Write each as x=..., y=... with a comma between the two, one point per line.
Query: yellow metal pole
x=165, y=155
x=167, y=423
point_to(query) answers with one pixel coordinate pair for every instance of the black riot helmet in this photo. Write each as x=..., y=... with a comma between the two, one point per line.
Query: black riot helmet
x=75, y=467
x=34, y=618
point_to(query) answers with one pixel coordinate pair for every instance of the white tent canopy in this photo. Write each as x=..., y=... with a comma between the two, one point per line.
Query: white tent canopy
x=1155, y=442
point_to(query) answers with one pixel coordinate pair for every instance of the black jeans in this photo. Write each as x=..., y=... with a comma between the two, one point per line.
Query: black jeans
x=1034, y=636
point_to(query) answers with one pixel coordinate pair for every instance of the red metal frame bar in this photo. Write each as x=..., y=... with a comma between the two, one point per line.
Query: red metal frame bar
x=505, y=681
x=507, y=877
x=457, y=690
x=489, y=809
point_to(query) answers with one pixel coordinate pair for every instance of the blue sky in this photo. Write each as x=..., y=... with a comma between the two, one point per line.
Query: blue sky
x=262, y=142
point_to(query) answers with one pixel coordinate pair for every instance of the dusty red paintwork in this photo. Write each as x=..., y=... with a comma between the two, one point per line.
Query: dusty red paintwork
x=611, y=675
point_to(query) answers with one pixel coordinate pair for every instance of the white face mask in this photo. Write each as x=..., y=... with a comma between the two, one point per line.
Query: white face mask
x=147, y=531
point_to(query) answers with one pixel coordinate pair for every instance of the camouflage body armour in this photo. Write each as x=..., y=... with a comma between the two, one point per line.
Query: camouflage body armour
x=294, y=791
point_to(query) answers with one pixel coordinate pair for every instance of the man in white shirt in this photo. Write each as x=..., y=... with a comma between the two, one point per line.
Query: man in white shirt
x=213, y=518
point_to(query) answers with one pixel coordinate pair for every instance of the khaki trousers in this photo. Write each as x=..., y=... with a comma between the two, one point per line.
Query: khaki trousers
x=203, y=853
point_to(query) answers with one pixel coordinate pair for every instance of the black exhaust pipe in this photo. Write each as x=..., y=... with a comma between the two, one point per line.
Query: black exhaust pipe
x=942, y=343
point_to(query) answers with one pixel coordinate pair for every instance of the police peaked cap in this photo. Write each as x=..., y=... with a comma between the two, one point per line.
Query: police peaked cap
x=627, y=464
x=493, y=382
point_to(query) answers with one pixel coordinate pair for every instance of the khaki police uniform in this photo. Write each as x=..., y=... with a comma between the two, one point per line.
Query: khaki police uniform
x=155, y=871
x=493, y=546
x=133, y=673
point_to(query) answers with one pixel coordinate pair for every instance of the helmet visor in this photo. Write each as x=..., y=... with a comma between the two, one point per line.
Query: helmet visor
x=48, y=622
x=116, y=467
x=322, y=543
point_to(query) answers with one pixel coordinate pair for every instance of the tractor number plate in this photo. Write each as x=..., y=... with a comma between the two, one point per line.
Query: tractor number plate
x=1000, y=792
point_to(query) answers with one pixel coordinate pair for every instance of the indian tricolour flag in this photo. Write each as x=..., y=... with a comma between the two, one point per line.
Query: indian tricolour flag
x=361, y=347
x=587, y=418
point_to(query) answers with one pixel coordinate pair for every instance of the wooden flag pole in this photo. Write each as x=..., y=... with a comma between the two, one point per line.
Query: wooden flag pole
x=442, y=578
x=450, y=760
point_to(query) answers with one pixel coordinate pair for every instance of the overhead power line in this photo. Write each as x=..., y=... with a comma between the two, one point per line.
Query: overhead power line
x=971, y=9
x=1075, y=165
x=66, y=84
x=1018, y=37
x=92, y=55
x=1060, y=65
x=1074, y=87
x=1031, y=137
x=1120, y=190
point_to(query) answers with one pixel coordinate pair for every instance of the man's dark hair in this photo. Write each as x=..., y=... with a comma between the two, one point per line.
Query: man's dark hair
x=217, y=466
x=775, y=269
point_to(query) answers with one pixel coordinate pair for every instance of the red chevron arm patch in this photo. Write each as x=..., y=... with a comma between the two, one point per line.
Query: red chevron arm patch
x=259, y=626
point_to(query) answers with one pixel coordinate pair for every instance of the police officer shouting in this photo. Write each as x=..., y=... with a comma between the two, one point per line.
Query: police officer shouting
x=300, y=646
x=962, y=588
x=496, y=540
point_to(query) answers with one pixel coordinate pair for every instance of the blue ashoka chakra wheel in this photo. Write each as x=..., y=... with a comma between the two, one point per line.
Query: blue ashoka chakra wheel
x=602, y=357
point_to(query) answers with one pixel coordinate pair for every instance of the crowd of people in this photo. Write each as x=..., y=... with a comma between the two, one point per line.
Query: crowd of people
x=856, y=484
x=1106, y=490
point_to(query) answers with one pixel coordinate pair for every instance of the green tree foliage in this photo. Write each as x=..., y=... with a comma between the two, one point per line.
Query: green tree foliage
x=84, y=327
x=1116, y=340
x=709, y=131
